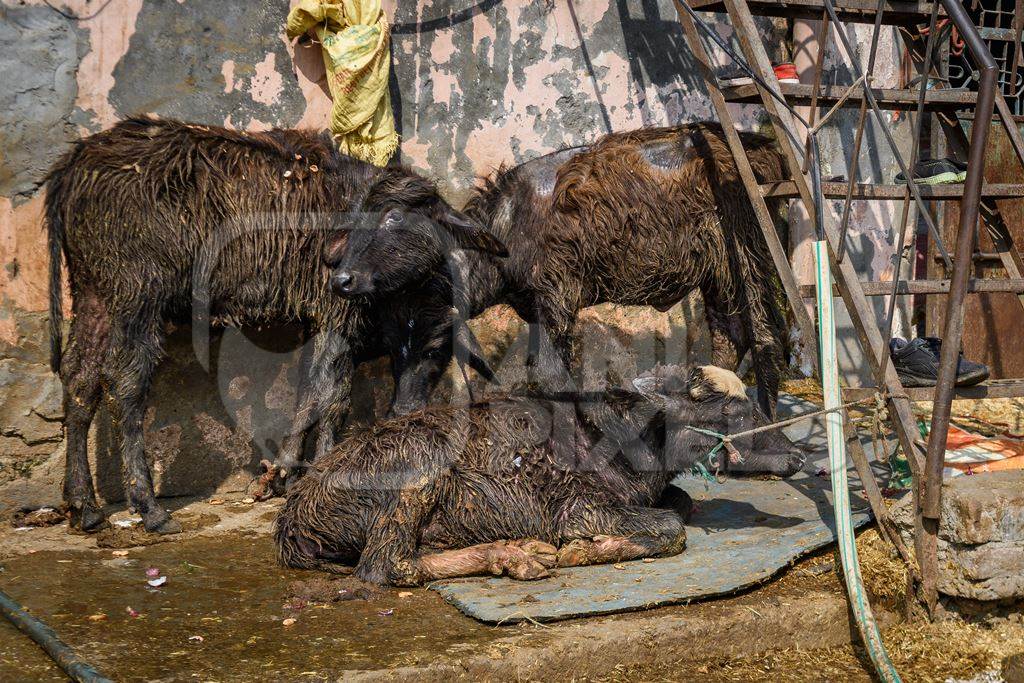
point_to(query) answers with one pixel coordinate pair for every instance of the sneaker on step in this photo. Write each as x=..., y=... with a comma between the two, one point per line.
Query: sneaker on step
x=936, y=172
x=968, y=372
x=917, y=363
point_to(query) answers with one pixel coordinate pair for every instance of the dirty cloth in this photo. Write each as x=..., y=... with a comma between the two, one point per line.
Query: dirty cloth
x=355, y=36
x=968, y=453
x=743, y=532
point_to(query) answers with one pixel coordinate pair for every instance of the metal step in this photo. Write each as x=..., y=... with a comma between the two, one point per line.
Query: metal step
x=887, y=98
x=896, y=12
x=882, y=288
x=994, y=388
x=950, y=192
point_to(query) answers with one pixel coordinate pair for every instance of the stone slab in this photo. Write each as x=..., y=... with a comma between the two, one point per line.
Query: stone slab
x=981, y=535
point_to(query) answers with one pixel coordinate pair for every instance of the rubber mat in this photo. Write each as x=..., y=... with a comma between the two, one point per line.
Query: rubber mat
x=742, y=533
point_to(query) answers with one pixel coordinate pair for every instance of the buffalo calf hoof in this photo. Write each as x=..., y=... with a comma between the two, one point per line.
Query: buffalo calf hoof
x=276, y=480
x=279, y=485
x=87, y=517
x=575, y=553
x=160, y=522
x=524, y=560
x=261, y=488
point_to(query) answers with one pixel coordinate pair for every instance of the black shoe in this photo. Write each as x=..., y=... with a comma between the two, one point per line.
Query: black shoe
x=968, y=372
x=917, y=363
x=936, y=172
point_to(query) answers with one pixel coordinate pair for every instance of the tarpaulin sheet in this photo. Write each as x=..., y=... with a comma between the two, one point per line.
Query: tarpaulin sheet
x=743, y=532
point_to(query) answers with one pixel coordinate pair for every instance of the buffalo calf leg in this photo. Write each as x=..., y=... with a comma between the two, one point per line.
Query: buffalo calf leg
x=330, y=387
x=675, y=498
x=415, y=378
x=324, y=392
x=730, y=338
x=523, y=560
x=391, y=554
x=131, y=371
x=600, y=535
x=290, y=453
x=767, y=364
x=80, y=375
x=768, y=331
x=334, y=395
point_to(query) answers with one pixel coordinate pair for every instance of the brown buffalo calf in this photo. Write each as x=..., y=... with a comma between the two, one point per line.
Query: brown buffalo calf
x=638, y=218
x=161, y=220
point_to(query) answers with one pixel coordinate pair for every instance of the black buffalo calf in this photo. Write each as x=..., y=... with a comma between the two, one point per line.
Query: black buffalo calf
x=162, y=220
x=516, y=484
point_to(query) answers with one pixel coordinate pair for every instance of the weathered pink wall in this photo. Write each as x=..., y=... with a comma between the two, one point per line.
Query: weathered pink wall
x=476, y=83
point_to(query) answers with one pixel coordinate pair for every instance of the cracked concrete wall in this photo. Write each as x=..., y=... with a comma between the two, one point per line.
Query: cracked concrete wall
x=476, y=83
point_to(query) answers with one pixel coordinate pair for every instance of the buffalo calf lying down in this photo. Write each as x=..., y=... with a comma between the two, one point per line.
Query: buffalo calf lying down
x=504, y=486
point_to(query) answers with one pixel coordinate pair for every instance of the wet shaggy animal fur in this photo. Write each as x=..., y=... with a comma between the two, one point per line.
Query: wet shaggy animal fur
x=161, y=220
x=639, y=218
x=514, y=484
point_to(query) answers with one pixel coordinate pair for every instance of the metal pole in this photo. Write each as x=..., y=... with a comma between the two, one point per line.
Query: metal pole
x=931, y=497
x=969, y=211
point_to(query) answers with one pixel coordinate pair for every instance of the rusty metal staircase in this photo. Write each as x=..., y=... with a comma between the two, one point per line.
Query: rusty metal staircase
x=977, y=199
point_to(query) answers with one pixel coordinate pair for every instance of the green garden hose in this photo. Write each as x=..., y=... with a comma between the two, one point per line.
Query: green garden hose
x=859, y=604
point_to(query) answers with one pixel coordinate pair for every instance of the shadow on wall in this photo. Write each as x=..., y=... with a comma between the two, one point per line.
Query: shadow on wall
x=201, y=426
x=658, y=53
x=207, y=430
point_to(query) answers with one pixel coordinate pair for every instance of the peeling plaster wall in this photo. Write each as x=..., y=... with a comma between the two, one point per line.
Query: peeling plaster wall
x=873, y=225
x=475, y=83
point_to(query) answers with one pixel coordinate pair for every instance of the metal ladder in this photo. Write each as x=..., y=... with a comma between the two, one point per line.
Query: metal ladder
x=977, y=198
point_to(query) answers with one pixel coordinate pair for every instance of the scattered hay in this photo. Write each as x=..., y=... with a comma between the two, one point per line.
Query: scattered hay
x=934, y=652
x=808, y=388
x=991, y=417
x=885, y=576
x=920, y=651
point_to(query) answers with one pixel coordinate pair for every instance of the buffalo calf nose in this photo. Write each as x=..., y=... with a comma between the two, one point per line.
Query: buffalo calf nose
x=342, y=283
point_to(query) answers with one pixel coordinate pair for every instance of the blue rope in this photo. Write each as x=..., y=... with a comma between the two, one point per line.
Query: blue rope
x=699, y=469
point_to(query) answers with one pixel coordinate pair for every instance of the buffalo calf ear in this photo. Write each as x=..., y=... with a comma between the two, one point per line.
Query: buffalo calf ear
x=333, y=247
x=469, y=234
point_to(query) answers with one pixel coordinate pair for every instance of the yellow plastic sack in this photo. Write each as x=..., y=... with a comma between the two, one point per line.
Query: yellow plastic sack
x=355, y=36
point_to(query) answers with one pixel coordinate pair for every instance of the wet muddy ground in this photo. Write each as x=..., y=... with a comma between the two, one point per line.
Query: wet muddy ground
x=227, y=612
x=220, y=615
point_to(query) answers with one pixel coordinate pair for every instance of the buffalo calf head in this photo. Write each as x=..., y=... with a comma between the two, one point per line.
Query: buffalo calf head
x=399, y=234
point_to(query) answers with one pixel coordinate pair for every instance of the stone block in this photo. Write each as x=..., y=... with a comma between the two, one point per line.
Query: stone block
x=30, y=411
x=981, y=535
